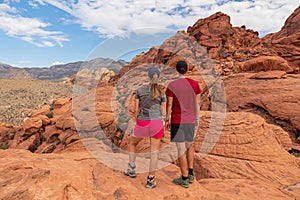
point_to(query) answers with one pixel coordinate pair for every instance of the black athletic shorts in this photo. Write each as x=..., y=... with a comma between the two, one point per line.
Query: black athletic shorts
x=182, y=132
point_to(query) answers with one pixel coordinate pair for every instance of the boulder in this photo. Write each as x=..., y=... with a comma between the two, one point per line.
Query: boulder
x=266, y=63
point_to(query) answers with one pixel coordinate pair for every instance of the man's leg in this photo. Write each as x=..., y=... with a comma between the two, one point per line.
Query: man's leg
x=190, y=161
x=190, y=154
x=183, y=164
x=183, y=180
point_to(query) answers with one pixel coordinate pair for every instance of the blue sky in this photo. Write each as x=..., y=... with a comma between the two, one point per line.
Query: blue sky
x=40, y=33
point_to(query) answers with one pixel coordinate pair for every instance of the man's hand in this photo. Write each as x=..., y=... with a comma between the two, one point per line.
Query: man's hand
x=167, y=124
x=197, y=122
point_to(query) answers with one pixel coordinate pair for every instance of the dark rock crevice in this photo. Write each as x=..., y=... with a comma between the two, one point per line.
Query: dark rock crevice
x=284, y=124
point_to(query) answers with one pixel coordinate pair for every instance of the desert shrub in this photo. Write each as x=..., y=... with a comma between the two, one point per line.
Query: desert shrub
x=50, y=114
x=296, y=154
x=12, y=135
x=4, y=146
x=36, y=145
x=85, y=109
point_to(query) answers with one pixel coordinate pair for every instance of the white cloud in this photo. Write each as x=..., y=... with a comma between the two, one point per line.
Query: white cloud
x=263, y=16
x=57, y=63
x=29, y=29
x=112, y=17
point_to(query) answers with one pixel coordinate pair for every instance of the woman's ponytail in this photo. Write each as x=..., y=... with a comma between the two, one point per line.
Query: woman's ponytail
x=155, y=90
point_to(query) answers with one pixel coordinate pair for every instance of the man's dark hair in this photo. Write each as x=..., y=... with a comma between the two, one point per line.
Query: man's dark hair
x=181, y=67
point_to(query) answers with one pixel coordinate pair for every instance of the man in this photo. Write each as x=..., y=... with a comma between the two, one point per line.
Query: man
x=183, y=104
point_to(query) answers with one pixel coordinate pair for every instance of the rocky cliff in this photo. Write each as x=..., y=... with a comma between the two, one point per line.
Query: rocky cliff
x=286, y=42
x=232, y=49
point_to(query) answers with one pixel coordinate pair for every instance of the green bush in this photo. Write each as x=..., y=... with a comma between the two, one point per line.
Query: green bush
x=4, y=146
x=50, y=114
x=12, y=135
x=296, y=154
x=85, y=109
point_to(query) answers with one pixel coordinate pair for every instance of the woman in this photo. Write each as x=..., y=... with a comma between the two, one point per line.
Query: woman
x=150, y=106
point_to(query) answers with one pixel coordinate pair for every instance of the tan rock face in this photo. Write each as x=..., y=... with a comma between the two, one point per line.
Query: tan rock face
x=90, y=78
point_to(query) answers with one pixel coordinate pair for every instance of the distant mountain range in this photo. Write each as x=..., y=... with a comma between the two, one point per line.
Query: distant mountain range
x=58, y=72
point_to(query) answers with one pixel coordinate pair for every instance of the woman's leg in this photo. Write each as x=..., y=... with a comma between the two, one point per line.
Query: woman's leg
x=154, y=148
x=132, y=148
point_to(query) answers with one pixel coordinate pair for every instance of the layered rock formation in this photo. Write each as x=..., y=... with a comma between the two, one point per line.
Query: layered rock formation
x=247, y=159
x=275, y=99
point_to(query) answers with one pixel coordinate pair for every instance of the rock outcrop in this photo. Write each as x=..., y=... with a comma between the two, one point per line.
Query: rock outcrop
x=275, y=99
x=244, y=160
x=230, y=49
x=286, y=42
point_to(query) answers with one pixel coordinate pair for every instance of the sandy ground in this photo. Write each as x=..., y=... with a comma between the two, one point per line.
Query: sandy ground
x=19, y=96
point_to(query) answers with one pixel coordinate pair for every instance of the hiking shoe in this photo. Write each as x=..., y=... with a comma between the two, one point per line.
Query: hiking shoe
x=181, y=182
x=130, y=171
x=191, y=178
x=151, y=183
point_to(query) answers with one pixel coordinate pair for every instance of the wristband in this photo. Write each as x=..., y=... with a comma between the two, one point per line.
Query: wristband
x=166, y=120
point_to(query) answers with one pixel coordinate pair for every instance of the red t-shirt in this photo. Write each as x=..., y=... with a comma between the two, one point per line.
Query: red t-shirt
x=183, y=91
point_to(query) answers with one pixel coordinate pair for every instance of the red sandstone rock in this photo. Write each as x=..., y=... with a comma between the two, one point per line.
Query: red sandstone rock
x=61, y=102
x=65, y=122
x=275, y=99
x=286, y=41
x=43, y=111
x=233, y=49
x=266, y=63
x=247, y=162
x=32, y=125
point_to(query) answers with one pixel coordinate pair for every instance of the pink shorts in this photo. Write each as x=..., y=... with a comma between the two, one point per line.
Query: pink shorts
x=149, y=129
